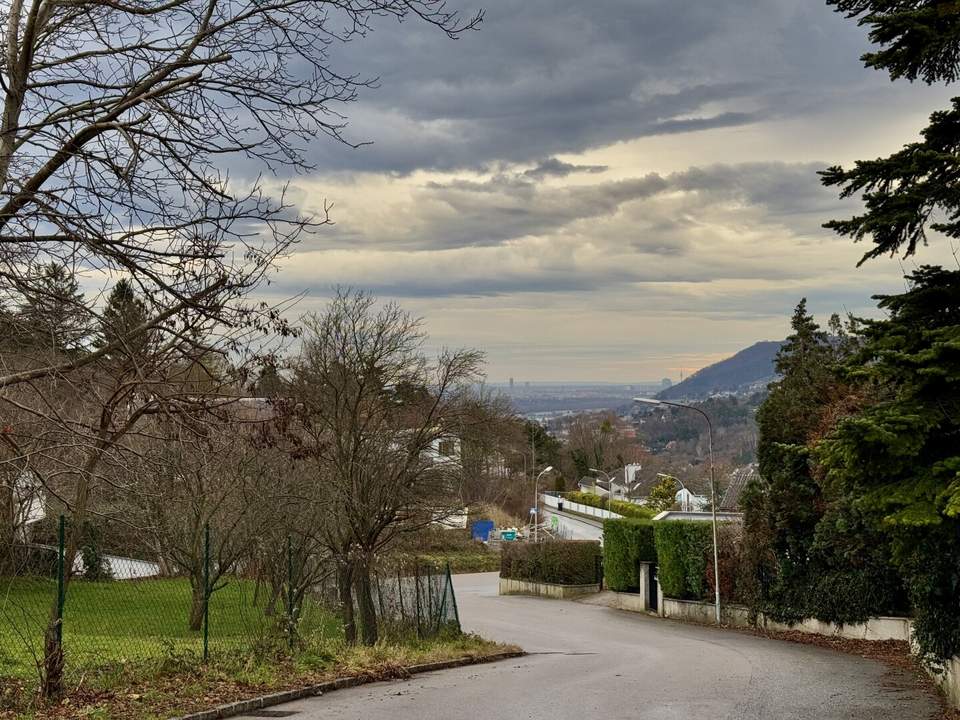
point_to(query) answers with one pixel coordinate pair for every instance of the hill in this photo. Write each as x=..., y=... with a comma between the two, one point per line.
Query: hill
x=748, y=371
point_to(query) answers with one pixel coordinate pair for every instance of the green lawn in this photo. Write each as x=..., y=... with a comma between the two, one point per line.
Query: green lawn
x=115, y=623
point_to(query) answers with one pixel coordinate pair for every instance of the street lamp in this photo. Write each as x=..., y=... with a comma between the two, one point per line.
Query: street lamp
x=713, y=491
x=609, y=485
x=536, y=502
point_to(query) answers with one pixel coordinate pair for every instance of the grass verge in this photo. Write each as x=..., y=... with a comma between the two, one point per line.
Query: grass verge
x=125, y=622
x=178, y=690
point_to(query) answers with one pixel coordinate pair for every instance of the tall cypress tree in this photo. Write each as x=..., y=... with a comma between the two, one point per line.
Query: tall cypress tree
x=783, y=505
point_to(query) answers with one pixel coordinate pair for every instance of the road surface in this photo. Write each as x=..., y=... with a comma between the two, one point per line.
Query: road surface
x=589, y=662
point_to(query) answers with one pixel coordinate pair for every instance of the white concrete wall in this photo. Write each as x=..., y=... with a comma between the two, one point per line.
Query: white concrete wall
x=571, y=527
x=947, y=678
x=877, y=628
x=552, y=501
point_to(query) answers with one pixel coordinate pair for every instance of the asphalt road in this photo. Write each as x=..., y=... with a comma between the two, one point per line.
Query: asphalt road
x=589, y=662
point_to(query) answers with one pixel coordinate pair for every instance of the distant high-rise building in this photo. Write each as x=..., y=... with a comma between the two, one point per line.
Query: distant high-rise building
x=511, y=383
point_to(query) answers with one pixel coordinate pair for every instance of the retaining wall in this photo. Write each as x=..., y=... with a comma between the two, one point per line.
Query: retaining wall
x=876, y=628
x=509, y=586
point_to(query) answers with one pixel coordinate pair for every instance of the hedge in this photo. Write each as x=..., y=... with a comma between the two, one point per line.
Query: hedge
x=626, y=543
x=683, y=547
x=562, y=562
x=621, y=507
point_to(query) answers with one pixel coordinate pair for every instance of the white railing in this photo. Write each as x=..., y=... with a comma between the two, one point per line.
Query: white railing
x=553, y=501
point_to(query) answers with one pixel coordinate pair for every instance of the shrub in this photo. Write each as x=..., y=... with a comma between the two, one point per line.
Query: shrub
x=682, y=549
x=95, y=564
x=626, y=543
x=563, y=562
x=729, y=550
x=621, y=507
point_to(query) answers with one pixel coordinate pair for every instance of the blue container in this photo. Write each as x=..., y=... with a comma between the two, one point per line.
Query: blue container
x=481, y=529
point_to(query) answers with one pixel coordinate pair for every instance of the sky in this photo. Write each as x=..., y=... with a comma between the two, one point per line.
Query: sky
x=614, y=190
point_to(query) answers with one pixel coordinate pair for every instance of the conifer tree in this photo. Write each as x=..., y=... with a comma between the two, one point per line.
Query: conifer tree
x=914, y=190
x=124, y=312
x=54, y=314
x=900, y=455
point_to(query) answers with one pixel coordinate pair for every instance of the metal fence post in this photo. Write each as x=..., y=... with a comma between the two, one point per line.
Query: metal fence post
x=453, y=598
x=61, y=577
x=416, y=581
x=206, y=591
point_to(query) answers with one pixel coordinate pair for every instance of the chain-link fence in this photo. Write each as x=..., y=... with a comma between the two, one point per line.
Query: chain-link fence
x=104, y=611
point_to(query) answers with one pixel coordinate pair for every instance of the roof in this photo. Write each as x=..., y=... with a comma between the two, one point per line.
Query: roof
x=736, y=483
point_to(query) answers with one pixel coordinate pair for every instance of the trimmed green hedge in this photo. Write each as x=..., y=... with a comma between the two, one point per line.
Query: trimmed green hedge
x=563, y=562
x=626, y=543
x=621, y=507
x=683, y=547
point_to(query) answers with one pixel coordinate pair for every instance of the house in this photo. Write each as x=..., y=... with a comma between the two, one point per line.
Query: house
x=29, y=503
x=691, y=502
x=737, y=482
x=623, y=483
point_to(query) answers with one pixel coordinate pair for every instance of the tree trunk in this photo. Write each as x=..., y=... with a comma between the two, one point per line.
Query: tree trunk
x=52, y=680
x=276, y=591
x=345, y=592
x=368, y=611
x=7, y=530
x=197, y=605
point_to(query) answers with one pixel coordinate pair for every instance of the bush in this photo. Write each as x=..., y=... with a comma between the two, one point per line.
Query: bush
x=563, y=562
x=95, y=564
x=682, y=550
x=621, y=507
x=729, y=552
x=626, y=543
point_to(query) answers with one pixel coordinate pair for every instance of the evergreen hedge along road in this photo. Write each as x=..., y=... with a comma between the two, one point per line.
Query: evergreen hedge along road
x=626, y=543
x=621, y=507
x=560, y=562
x=682, y=547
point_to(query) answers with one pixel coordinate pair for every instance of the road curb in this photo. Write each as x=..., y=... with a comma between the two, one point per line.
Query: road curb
x=264, y=701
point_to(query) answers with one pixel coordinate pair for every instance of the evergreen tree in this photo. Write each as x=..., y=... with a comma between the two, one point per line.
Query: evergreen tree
x=902, y=192
x=124, y=312
x=663, y=495
x=54, y=314
x=806, y=365
x=900, y=454
x=810, y=552
x=896, y=453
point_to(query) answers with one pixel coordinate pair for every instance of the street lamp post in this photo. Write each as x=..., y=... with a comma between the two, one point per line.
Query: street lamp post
x=713, y=492
x=536, y=502
x=609, y=485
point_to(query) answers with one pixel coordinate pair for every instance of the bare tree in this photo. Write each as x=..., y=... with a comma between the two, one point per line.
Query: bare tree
x=118, y=117
x=201, y=476
x=378, y=419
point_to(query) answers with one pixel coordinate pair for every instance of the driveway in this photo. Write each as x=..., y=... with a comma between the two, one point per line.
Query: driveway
x=589, y=662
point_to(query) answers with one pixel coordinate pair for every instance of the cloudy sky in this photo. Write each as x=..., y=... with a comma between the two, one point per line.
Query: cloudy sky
x=607, y=190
